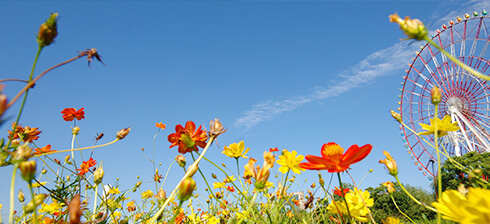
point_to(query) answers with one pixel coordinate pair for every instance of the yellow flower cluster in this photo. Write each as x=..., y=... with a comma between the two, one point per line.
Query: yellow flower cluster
x=357, y=209
x=474, y=207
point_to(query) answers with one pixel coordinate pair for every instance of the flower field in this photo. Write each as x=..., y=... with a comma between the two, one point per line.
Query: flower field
x=258, y=192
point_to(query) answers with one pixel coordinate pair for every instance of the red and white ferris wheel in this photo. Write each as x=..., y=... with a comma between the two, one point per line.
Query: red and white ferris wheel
x=464, y=97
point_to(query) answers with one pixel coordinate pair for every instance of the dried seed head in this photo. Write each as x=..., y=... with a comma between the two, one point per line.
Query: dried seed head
x=122, y=133
x=216, y=128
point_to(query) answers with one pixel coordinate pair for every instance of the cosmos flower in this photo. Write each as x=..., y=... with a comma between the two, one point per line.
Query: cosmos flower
x=85, y=167
x=390, y=164
x=443, y=126
x=71, y=113
x=261, y=175
x=289, y=161
x=334, y=159
x=339, y=192
x=43, y=150
x=160, y=125
x=188, y=138
x=474, y=207
x=235, y=150
x=357, y=209
x=26, y=134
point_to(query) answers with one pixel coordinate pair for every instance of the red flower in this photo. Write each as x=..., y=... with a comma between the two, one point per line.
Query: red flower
x=160, y=125
x=274, y=149
x=338, y=192
x=84, y=168
x=188, y=138
x=43, y=150
x=334, y=159
x=26, y=134
x=157, y=177
x=71, y=113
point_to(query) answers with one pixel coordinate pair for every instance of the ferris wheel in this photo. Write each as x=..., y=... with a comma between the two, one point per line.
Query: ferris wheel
x=464, y=97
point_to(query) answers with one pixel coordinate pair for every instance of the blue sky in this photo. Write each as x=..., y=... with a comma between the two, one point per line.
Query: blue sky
x=286, y=74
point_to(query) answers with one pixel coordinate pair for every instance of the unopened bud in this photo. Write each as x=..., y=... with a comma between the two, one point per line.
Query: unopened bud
x=413, y=28
x=390, y=164
x=38, y=199
x=98, y=175
x=435, y=94
x=161, y=195
x=67, y=159
x=122, y=133
x=67, y=177
x=48, y=31
x=3, y=104
x=75, y=130
x=214, y=176
x=44, y=171
x=180, y=160
x=186, y=188
x=21, y=196
x=28, y=170
x=396, y=116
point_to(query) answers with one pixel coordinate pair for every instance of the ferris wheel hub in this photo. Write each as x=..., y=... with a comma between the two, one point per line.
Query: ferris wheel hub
x=455, y=103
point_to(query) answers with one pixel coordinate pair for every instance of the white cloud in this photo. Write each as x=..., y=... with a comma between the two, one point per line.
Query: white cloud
x=379, y=63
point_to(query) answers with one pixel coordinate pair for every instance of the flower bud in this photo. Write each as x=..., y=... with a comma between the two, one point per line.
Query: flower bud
x=67, y=177
x=48, y=31
x=214, y=176
x=413, y=28
x=320, y=180
x=28, y=170
x=21, y=196
x=390, y=164
x=67, y=159
x=435, y=94
x=122, y=133
x=44, y=171
x=180, y=160
x=3, y=104
x=396, y=116
x=186, y=188
x=98, y=175
x=161, y=195
x=38, y=199
x=75, y=130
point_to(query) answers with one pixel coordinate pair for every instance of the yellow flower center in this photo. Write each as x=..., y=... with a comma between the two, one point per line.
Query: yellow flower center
x=332, y=149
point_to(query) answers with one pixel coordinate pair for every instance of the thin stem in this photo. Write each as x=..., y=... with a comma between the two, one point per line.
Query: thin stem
x=172, y=195
x=343, y=195
x=439, y=178
x=458, y=62
x=411, y=197
x=26, y=90
x=95, y=200
x=250, y=205
x=399, y=210
x=78, y=149
x=33, y=201
x=12, y=187
x=284, y=184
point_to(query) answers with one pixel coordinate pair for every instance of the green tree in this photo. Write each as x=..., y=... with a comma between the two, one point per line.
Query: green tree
x=452, y=176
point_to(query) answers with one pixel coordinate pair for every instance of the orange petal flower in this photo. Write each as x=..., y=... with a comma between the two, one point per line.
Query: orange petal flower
x=71, y=113
x=26, y=134
x=188, y=138
x=84, y=168
x=160, y=125
x=43, y=150
x=334, y=159
x=339, y=192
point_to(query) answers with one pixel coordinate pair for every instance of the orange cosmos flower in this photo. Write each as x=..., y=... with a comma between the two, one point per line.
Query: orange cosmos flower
x=188, y=138
x=71, y=113
x=84, y=168
x=339, y=192
x=43, y=150
x=160, y=125
x=334, y=159
x=26, y=134
x=274, y=149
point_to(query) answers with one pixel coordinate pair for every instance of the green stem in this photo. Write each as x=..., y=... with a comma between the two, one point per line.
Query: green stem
x=174, y=192
x=95, y=201
x=25, y=97
x=394, y=202
x=12, y=187
x=411, y=197
x=343, y=195
x=439, y=178
x=458, y=62
x=33, y=201
x=250, y=205
x=284, y=184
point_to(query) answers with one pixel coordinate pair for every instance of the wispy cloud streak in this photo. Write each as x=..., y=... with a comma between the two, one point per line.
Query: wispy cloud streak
x=391, y=60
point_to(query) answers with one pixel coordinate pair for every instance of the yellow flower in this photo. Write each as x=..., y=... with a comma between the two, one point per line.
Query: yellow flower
x=474, y=208
x=391, y=220
x=289, y=214
x=146, y=194
x=290, y=161
x=1, y=206
x=229, y=179
x=261, y=175
x=34, y=185
x=443, y=126
x=390, y=187
x=218, y=185
x=51, y=208
x=114, y=190
x=356, y=206
x=390, y=164
x=236, y=150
